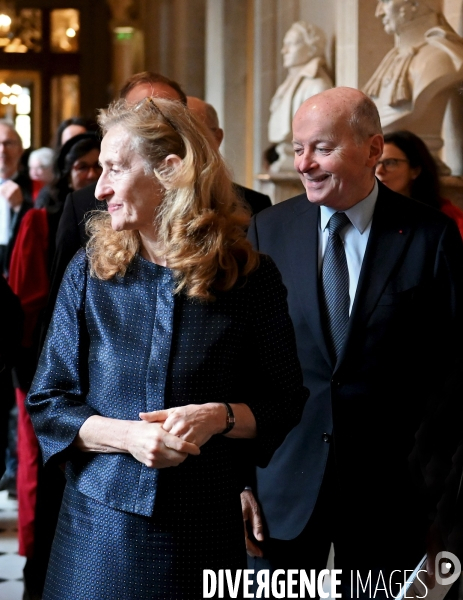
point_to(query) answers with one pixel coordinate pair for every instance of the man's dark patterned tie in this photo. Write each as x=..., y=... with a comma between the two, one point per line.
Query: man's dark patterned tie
x=335, y=285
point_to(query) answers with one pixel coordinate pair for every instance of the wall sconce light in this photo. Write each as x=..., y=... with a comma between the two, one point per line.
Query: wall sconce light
x=7, y=15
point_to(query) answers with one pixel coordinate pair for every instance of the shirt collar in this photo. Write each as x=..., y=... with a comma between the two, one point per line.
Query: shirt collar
x=359, y=215
x=3, y=179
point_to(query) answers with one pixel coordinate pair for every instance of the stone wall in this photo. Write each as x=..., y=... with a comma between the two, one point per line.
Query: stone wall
x=229, y=53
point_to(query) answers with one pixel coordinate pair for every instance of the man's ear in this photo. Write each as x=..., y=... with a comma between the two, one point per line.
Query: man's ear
x=376, y=146
x=218, y=134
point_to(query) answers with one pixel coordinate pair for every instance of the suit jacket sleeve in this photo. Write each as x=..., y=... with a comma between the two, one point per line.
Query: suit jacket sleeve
x=67, y=244
x=255, y=200
x=12, y=319
x=29, y=281
x=437, y=458
x=28, y=270
x=68, y=354
x=278, y=397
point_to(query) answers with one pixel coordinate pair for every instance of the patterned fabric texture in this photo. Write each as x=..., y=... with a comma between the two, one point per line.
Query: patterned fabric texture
x=100, y=553
x=335, y=284
x=118, y=347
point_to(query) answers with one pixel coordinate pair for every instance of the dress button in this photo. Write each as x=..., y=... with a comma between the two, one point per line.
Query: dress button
x=326, y=438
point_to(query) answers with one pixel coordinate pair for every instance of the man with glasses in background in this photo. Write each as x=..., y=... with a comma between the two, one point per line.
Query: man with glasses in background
x=15, y=190
x=15, y=201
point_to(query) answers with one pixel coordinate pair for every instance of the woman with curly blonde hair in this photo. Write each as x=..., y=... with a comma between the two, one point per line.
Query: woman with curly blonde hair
x=170, y=343
x=200, y=223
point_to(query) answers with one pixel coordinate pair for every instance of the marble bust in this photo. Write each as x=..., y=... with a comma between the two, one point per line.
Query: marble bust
x=304, y=56
x=414, y=82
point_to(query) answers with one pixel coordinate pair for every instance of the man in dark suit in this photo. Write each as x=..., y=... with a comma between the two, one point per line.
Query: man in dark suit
x=11, y=329
x=208, y=115
x=15, y=201
x=15, y=188
x=343, y=475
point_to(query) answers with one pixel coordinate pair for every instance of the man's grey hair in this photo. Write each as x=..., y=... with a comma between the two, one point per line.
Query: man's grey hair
x=364, y=120
x=313, y=37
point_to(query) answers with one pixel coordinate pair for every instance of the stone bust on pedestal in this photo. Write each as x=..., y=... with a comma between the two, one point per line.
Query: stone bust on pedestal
x=415, y=80
x=304, y=56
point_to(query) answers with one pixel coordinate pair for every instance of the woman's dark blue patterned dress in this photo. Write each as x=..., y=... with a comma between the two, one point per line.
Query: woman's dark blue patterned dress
x=116, y=348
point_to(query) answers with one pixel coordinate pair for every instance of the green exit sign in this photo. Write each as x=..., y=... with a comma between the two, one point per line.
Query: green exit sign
x=124, y=36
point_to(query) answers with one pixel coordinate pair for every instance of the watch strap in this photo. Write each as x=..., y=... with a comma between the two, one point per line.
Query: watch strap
x=230, y=418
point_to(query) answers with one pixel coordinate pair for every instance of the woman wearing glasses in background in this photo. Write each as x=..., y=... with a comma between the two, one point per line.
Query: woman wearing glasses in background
x=76, y=167
x=170, y=344
x=407, y=167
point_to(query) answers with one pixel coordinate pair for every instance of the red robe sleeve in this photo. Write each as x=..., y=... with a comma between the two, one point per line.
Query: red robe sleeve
x=448, y=208
x=28, y=277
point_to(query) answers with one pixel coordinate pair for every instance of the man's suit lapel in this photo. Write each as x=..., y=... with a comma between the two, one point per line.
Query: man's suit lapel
x=389, y=237
x=302, y=256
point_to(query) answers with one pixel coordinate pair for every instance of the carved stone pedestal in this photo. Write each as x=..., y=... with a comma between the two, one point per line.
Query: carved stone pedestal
x=280, y=186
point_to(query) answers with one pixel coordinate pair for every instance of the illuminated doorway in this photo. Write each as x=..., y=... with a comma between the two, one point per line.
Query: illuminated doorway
x=41, y=50
x=20, y=93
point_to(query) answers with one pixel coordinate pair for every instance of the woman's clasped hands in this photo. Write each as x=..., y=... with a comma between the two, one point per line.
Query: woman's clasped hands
x=162, y=438
x=193, y=424
x=153, y=446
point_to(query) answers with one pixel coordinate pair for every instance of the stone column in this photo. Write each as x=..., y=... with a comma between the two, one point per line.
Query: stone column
x=228, y=47
x=127, y=41
x=174, y=32
x=361, y=42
